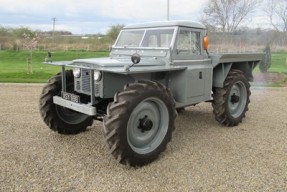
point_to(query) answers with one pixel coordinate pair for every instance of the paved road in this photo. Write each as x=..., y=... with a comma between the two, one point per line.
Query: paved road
x=203, y=155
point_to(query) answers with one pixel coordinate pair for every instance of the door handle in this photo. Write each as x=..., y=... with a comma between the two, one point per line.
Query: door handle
x=200, y=75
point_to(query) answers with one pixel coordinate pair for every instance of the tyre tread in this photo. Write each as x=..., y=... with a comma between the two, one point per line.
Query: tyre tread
x=117, y=114
x=47, y=107
x=220, y=97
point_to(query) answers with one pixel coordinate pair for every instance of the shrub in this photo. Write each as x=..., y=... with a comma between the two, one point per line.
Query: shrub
x=265, y=64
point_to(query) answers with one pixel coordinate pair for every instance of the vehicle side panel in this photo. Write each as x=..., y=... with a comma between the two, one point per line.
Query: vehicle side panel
x=192, y=85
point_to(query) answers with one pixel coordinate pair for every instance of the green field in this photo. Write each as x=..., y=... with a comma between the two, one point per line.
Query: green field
x=13, y=65
x=279, y=63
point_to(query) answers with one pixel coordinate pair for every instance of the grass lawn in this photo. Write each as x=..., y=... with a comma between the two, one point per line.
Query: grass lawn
x=279, y=62
x=277, y=73
x=13, y=65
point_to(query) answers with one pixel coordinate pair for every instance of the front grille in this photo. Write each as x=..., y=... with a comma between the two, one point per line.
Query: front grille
x=97, y=89
x=86, y=80
x=78, y=85
x=84, y=84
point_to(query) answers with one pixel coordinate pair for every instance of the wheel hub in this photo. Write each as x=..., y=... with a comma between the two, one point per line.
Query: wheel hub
x=145, y=124
x=234, y=99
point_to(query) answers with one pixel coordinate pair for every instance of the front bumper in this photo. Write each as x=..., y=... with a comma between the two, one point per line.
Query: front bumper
x=79, y=107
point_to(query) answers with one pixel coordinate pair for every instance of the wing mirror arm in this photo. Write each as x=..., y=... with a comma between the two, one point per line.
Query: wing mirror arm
x=135, y=58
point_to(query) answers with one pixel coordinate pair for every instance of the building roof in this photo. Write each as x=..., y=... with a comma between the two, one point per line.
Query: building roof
x=167, y=24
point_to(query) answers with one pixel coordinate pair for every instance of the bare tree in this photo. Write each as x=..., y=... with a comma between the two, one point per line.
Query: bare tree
x=30, y=42
x=276, y=11
x=227, y=15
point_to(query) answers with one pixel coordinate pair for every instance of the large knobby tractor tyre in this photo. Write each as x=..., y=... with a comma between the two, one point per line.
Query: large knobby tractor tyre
x=61, y=119
x=230, y=103
x=139, y=122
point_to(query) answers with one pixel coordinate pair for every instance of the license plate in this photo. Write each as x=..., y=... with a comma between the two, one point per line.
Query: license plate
x=71, y=97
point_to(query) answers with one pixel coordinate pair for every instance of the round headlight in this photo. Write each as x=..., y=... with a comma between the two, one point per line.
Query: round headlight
x=77, y=72
x=97, y=76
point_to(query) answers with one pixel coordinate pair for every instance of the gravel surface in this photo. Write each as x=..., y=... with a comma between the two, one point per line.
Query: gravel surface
x=203, y=155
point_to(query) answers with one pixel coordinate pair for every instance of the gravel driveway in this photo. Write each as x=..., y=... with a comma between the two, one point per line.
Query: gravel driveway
x=203, y=155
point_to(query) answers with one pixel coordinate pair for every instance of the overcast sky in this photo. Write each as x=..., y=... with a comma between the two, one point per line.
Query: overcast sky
x=93, y=16
x=96, y=16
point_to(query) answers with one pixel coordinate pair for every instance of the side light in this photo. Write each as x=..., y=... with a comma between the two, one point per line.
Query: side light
x=205, y=42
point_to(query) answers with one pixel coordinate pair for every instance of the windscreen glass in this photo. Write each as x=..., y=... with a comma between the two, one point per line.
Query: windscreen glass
x=150, y=38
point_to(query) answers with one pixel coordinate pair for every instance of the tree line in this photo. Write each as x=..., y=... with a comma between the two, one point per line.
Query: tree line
x=241, y=40
x=17, y=38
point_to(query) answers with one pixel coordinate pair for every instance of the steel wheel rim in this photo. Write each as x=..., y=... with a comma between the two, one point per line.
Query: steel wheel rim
x=237, y=92
x=152, y=109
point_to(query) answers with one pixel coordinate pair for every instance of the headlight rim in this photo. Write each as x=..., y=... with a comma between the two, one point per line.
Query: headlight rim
x=77, y=72
x=97, y=76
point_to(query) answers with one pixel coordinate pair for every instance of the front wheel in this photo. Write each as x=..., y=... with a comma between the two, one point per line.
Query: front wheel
x=230, y=103
x=139, y=123
x=61, y=119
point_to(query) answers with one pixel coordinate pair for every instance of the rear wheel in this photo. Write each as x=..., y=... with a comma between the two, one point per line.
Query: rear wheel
x=61, y=119
x=230, y=103
x=139, y=123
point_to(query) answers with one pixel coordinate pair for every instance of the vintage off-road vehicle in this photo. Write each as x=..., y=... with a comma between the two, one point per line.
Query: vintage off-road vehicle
x=153, y=70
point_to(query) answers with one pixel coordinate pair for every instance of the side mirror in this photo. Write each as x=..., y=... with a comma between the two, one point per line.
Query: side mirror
x=136, y=58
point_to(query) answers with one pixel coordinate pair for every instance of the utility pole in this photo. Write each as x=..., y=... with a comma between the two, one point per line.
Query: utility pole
x=168, y=10
x=54, y=23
